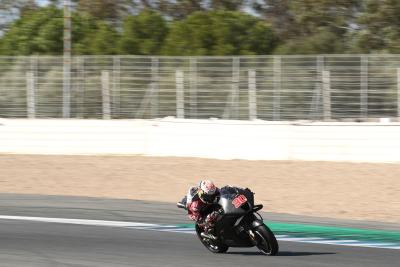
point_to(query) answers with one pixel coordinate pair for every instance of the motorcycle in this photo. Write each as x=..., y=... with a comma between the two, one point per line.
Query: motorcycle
x=238, y=225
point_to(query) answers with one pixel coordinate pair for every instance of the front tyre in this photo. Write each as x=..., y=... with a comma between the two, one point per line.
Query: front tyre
x=266, y=241
x=213, y=246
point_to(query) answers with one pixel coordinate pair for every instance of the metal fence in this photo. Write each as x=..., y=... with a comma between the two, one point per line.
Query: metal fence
x=322, y=87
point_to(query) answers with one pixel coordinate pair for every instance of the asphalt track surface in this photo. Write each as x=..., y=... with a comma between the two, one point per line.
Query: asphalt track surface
x=25, y=243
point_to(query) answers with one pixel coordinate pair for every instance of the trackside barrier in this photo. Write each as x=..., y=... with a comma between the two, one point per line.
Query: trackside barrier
x=220, y=139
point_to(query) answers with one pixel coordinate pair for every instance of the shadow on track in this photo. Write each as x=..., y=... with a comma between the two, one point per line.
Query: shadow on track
x=301, y=253
x=281, y=253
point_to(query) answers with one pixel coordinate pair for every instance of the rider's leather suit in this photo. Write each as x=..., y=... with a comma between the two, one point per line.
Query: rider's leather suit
x=194, y=206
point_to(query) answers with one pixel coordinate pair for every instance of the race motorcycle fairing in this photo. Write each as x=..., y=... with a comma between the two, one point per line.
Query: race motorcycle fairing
x=238, y=224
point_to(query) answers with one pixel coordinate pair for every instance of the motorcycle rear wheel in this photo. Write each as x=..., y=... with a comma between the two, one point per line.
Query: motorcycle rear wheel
x=214, y=246
x=266, y=241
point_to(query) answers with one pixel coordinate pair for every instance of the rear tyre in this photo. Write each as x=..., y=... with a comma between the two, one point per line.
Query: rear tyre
x=213, y=246
x=266, y=241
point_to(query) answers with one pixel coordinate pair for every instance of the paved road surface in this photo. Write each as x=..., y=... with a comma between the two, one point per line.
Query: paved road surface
x=26, y=243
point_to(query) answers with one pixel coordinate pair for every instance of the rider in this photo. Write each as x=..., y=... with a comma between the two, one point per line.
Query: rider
x=199, y=197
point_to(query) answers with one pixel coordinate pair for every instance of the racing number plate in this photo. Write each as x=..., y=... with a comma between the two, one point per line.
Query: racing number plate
x=239, y=201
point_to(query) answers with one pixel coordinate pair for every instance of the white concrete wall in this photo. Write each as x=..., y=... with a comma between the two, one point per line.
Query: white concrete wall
x=253, y=140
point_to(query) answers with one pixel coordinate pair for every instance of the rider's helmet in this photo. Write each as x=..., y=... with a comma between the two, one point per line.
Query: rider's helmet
x=207, y=191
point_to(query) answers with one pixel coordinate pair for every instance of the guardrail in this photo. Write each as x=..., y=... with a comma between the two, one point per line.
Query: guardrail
x=321, y=87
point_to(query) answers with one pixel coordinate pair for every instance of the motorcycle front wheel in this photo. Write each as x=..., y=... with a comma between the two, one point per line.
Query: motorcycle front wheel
x=266, y=241
x=213, y=246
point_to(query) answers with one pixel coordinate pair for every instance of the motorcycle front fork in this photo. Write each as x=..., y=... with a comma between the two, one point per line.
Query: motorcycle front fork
x=252, y=237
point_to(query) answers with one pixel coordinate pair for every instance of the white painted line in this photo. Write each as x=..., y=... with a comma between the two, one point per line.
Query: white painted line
x=78, y=221
x=176, y=231
x=375, y=245
x=349, y=243
x=300, y=239
x=335, y=242
x=281, y=236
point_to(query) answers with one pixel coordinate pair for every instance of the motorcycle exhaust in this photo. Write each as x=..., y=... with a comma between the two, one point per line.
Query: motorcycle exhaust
x=208, y=236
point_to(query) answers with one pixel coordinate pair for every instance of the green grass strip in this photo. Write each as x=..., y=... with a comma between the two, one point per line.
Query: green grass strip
x=333, y=232
x=329, y=232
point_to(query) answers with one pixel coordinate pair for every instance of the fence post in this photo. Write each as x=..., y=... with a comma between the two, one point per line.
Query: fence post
x=398, y=92
x=30, y=94
x=67, y=60
x=235, y=87
x=105, y=89
x=252, y=95
x=326, y=93
x=193, y=87
x=67, y=88
x=364, y=87
x=80, y=87
x=116, y=80
x=319, y=86
x=180, y=104
x=277, y=88
x=154, y=87
x=232, y=107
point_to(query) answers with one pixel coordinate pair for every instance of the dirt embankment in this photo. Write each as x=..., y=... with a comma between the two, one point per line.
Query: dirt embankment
x=337, y=190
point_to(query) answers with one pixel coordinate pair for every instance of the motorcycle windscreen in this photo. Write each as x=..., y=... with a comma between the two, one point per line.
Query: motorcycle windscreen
x=231, y=190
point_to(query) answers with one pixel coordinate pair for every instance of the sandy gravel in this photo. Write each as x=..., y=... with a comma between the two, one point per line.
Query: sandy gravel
x=337, y=190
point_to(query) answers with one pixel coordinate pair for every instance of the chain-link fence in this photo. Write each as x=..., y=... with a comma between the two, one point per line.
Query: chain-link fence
x=326, y=87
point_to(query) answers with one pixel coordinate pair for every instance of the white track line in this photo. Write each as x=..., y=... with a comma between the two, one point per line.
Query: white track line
x=79, y=221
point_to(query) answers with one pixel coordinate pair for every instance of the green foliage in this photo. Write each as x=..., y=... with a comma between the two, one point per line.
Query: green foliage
x=180, y=9
x=324, y=42
x=83, y=27
x=190, y=37
x=28, y=35
x=109, y=10
x=318, y=27
x=232, y=5
x=49, y=40
x=143, y=34
x=220, y=33
x=41, y=32
x=379, y=27
x=206, y=27
x=333, y=15
x=10, y=9
x=93, y=37
x=277, y=13
x=103, y=41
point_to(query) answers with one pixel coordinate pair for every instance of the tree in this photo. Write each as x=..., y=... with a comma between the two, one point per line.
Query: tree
x=41, y=32
x=143, y=34
x=220, y=33
x=232, y=5
x=110, y=10
x=103, y=40
x=83, y=27
x=28, y=34
x=180, y=9
x=323, y=42
x=311, y=15
x=319, y=26
x=12, y=9
x=379, y=27
x=278, y=14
